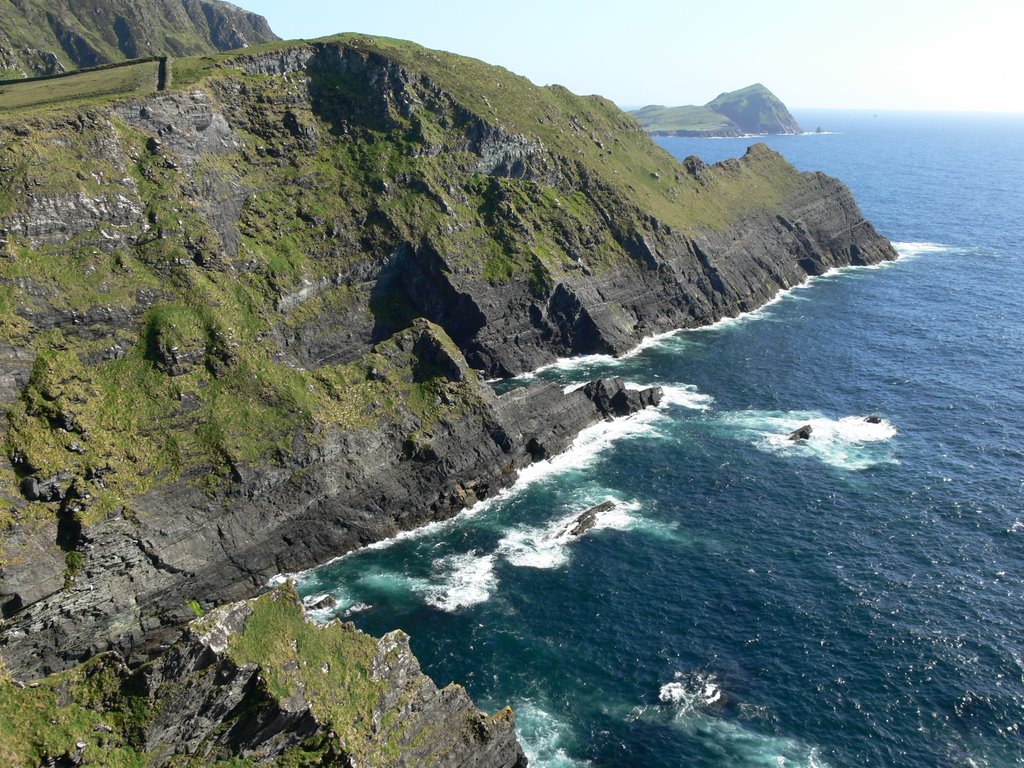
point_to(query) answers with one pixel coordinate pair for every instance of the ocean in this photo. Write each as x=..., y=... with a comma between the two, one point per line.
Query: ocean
x=855, y=600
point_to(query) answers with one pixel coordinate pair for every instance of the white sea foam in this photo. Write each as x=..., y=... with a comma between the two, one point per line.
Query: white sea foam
x=460, y=581
x=691, y=693
x=850, y=443
x=685, y=395
x=572, y=364
x=912, y=249
x=543, y=737
x=691, y=701
x=548, y=546
x=748, y=747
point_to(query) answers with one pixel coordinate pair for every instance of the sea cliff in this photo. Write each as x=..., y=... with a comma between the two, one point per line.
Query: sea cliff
x=247, y=320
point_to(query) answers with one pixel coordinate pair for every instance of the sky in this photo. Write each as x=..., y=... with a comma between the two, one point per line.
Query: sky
x=966, y=55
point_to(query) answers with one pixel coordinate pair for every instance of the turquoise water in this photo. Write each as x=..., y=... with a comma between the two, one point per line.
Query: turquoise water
x=856, y=600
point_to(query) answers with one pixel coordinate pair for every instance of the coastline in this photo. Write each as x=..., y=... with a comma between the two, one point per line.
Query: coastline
x=913, y=250
x=613, y=430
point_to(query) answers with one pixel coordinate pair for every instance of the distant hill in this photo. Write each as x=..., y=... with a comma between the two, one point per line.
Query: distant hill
x=42, y=38
x=750, y=110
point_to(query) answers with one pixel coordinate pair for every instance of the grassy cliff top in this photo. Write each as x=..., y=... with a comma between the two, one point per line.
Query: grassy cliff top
x=158, y=330
x=38, y=38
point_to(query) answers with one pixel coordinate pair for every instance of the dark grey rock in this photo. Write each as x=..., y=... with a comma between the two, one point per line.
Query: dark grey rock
x=803, y=433
x=588, y=519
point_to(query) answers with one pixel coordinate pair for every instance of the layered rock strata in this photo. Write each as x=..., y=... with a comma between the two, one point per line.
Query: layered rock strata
x=255, y=681
x=247, y=320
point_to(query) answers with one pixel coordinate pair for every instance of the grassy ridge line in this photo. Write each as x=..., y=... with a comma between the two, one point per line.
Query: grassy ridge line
x=688, y=118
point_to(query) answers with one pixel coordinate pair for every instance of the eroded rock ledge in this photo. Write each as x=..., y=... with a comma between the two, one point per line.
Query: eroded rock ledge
x=257, y=681
x=346, y=491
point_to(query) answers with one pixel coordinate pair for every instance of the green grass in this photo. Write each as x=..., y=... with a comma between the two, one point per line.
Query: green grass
x=330, y=666
x=83, y=705
x=689, y=118
x=399, y=178
x=99, y=85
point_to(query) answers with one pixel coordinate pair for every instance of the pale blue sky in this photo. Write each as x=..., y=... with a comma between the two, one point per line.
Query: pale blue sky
x=875, y=54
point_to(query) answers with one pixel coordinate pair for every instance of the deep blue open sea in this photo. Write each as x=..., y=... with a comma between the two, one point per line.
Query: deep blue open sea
x=857, y=600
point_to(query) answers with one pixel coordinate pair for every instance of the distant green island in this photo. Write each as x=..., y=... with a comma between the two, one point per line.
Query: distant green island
x=750, y=110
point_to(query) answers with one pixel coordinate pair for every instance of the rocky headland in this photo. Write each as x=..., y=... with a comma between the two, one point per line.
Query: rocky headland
x=750, y=111
x=247, y=322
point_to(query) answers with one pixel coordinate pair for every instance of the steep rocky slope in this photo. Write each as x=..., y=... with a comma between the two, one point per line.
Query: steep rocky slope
x=254, y=683
x=38, y=38
x=244, y=323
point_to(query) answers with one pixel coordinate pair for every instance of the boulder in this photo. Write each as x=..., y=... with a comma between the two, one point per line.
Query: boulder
x=612, y=398
x=804, y=433
x=327, y=601
x=588, y=519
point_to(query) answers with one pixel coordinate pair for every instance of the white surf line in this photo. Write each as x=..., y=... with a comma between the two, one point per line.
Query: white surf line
x=904, y=250
x=585, y=447
x=526, y=478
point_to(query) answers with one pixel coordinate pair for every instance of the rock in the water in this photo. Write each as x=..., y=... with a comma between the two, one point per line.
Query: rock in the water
x=327, y=601
x=588, y=519
x=873, y=419
x=804, y=433
x=612, y=398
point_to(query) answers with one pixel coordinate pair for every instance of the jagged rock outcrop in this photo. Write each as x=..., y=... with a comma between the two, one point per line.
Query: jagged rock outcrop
x=255, y=680
x=588, y=519
x=46, y=38
x=271, y=351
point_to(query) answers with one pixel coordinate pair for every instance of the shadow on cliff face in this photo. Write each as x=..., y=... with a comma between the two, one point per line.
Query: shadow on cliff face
x=411, y=284
x=354, y=89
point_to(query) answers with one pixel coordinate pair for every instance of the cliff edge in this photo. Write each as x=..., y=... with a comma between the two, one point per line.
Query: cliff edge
x=255, y=683
x=247, y=320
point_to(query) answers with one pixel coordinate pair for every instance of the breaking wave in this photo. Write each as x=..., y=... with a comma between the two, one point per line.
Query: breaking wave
x=851, y=443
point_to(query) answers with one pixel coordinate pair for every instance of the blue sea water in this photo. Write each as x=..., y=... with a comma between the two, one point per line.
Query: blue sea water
x=857, y=600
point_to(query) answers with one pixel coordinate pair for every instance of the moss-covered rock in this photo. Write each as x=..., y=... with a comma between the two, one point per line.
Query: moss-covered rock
x=242, y=320
x=254, y=683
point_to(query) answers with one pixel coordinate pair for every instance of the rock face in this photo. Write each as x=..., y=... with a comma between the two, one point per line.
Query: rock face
x=255, y=680
x=612, y=398
x=39, y=38
x=348, y=491
x=588, y=519
x=255, y=337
